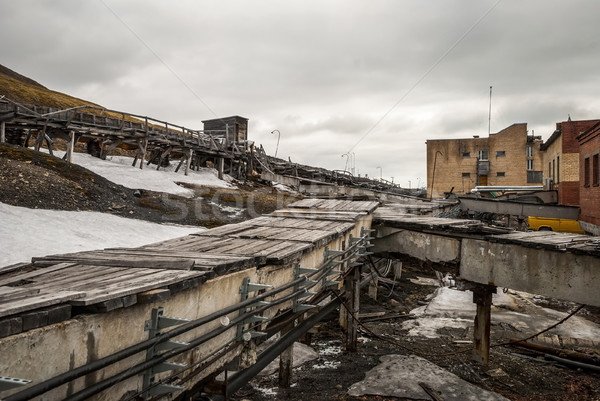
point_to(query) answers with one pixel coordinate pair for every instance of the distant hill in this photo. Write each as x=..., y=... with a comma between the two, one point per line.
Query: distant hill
x=24, y=90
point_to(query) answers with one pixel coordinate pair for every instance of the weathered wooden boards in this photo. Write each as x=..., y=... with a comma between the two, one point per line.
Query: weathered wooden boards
x=103, y=280
x=575, y=243
x=391, y=218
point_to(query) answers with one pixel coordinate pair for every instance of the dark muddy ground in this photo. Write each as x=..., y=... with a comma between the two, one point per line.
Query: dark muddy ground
x=40, y=181
x=515, y=374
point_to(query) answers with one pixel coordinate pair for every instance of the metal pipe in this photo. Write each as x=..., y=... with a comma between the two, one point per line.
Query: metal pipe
x=141, y=367
x=66, y=377
x=433, y=173
x=242, y=377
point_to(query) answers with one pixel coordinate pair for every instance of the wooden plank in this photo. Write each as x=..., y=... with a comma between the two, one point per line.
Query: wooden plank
x=13, y=293
x=158, y=279
x=41, y=300
x=124, y=260
x=306, y=203
x=318, y=214
x=74, y=277
x=15, y=278
x=287, y=252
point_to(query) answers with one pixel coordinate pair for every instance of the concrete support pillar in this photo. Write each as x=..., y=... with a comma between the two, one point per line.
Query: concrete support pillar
x=286, y=362
x=2, y=132
x=221, y=166
x=482, y=296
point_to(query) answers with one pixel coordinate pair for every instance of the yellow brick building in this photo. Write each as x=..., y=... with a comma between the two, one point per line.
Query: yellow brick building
x=510, y=157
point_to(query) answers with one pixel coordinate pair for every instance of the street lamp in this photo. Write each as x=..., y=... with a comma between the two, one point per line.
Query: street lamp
x=347, y=159
x=433, y=173
x=278, y=135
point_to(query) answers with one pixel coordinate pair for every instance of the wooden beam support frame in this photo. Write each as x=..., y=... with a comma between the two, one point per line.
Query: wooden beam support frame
x=482, y=296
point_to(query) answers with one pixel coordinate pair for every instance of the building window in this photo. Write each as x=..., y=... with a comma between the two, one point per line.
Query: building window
x=529, y=165
x=466, y=175
x=595, y=170
x=549, y=169
x=529, y=151
x=535, y=177
x=553, y=166
x=500, y=174
x=482, y=155
x=500, y=153
x=466, y=155
x=557, y=169
x=586, y=172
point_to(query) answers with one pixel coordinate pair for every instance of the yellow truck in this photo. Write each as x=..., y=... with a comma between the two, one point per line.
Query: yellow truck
x=558, y=225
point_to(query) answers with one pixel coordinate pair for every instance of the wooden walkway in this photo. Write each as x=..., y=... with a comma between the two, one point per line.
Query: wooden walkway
x=104, y=280
x=118, y=129
x=575, y=243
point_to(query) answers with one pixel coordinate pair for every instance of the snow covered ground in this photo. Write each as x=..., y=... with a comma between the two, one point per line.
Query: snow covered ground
x=450, y=308
x=25, y=233
x=118, y=169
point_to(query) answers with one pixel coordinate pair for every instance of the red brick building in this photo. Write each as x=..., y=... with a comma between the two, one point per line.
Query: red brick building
x=589, y=179
x=561, y=159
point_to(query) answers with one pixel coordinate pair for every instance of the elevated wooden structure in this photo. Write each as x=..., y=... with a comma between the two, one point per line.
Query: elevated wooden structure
x=153, y=139
x=82, y=306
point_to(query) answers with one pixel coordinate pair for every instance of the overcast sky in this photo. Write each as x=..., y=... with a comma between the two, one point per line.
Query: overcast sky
x=377, y=78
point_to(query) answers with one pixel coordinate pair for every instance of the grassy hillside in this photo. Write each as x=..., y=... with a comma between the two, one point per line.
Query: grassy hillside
x=24, y=90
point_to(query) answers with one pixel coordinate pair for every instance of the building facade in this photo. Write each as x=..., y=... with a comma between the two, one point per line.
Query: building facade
x=510, y=157
x=561, y=160
x=589, y=179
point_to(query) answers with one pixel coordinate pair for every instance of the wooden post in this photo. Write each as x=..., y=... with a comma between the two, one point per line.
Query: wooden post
x=144, y=149
x=71, y=146
x=353, y=300
x=2, y=132
x=286, y=361
x=189, y=161
x=482, y=296
x=221, y=165
x=373, y=287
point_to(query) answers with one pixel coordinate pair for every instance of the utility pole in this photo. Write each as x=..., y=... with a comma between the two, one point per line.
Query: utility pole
x=490, y=114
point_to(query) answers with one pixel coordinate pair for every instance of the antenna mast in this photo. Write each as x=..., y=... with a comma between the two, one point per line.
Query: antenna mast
x=490, y=114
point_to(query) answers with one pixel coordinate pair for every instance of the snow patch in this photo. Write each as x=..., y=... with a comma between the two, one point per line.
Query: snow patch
x=26, y=233
x=119, y=170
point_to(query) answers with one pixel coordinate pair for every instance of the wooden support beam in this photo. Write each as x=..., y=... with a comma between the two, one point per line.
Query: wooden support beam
x=221, y=165
x=482, y=296
x=70, y=147
x=143, y=149
x=110, y=148
x=286, y=361
x=190, y=156
x=2, y=132
x=352, y=289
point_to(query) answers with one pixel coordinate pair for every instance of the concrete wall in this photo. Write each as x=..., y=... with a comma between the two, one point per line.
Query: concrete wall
x=423, y=246
x=51, y=350
x=551, y=273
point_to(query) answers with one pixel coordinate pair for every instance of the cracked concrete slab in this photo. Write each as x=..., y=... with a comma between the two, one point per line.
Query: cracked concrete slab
x=400, y=375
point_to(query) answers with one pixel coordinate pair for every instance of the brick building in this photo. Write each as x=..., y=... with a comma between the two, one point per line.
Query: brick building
x=510, y=157
x=561, y=160
x=589, y=179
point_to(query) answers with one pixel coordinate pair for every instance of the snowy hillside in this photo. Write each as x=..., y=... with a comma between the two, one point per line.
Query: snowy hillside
x=25, y=233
